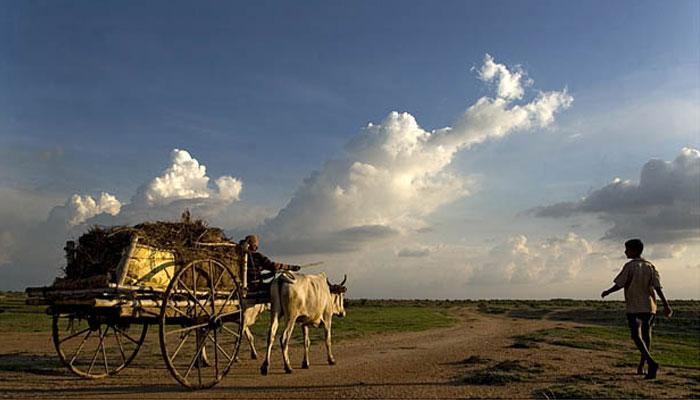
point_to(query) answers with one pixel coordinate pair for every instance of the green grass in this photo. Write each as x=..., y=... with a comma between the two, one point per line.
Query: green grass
x=501, y=373
x=673, y=351
x=364, y=317
x=675, y=341
x=31, y=363
x=19, y=317
x=584, y=391
x=363, y=320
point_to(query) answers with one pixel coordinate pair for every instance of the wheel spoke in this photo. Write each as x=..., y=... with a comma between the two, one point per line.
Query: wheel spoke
x=179, y=346
x=97, y=351
x=219, y=347
x=119, y=342
x=172, y=307
x=230, y=295
x=194, y=296
x=216, y=354
x=104, y=352
x=188, y=329
x=73, y=335
x=230, y=331
x=200, y=346
x=80, y=347
x=126, y=335
x=212, y=294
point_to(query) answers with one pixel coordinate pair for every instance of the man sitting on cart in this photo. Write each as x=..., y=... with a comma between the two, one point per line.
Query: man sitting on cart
x=260, y=268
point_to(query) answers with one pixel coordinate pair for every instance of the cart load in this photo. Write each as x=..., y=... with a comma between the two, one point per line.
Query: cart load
x=186, y=277
x=142, y=255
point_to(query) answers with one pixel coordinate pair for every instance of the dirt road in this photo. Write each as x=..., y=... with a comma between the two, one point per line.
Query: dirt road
x=429, y=364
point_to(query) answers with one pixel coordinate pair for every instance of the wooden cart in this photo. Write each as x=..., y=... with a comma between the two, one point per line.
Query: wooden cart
x=198, y=307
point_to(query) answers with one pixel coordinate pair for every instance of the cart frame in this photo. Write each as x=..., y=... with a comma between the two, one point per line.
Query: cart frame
x=98, y=332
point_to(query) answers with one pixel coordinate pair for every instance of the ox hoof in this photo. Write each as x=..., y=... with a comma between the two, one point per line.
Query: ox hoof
x=331, y=362
x=287, y=370
x=304, y=365
x=253, y=356
x=263, y=370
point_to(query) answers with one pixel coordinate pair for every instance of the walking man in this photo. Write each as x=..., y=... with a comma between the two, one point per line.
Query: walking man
x=640, y=279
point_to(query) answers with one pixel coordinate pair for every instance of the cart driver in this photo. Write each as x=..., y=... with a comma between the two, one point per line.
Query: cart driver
x=261, y=268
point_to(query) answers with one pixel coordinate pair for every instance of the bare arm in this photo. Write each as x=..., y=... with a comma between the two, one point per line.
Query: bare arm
x=613, y=289
x=667, y=308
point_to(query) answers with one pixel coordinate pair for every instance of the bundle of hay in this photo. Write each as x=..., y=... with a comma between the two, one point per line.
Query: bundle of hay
x=93, y=261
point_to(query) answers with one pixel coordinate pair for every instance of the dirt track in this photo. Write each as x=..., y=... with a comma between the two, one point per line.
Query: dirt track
x=425, y=364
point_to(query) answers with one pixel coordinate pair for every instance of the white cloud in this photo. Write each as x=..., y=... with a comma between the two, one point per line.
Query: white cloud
x=186, y=179
x=81, y=208
x=31, y=249
x=229, y=188
x=509, y=82
x=184, y=184
x=662, y=207
x=395, y=173
x=520, y=261
x=665, y=250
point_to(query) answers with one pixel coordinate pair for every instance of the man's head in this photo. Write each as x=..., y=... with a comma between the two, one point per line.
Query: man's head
x=253, y=242
x=634, y=248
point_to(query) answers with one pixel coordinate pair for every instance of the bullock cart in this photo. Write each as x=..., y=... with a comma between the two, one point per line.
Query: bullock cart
x=195, y=293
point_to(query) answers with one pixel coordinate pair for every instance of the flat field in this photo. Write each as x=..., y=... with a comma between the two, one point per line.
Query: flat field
x=399, y=349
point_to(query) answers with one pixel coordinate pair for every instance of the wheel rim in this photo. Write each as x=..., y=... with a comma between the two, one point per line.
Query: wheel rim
x=95, y=347
x=200, y=323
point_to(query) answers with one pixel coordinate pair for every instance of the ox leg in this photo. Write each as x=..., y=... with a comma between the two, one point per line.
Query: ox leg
x=286, y=337
x=251, y=341
x=307, y=343
x=271, y=333
x=327, y=332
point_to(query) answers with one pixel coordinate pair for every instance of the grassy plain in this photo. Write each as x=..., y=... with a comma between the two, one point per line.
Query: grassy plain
x=590, y=328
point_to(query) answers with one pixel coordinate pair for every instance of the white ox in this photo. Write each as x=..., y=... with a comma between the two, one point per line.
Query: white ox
x=306, y=299
x=250, y=315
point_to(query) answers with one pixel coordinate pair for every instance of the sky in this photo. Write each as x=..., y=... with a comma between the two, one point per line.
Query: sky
x=453, y=149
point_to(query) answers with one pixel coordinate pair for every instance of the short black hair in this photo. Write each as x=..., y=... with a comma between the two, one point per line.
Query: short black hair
x=635, y=245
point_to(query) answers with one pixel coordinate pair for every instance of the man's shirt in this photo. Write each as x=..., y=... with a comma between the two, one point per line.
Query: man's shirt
x=261, y=267
x=639, y=277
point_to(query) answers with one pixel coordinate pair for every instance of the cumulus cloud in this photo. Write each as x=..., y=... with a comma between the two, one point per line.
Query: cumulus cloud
x=32, y=251
x=662, y=207
x=509, y=82
x=519, y=261
x=665, y=250
x=186, y=179
x=394, y=173
x=81, y=208
x=184, y=184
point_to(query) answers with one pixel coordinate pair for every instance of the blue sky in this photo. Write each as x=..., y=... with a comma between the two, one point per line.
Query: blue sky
x=96, y=95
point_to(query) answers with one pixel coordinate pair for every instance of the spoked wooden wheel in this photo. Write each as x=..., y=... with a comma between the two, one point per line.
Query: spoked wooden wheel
x=200, y=323
x=95, y=347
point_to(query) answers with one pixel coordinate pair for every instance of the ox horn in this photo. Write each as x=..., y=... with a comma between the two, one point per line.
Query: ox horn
x=345, y=278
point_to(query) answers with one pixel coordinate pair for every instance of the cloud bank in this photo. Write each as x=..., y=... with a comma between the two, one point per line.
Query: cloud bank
x=183, y=184
x=662, y=207
x=395, y=173
x=519, y=261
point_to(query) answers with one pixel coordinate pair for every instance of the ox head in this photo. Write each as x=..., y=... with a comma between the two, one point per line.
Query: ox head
x=338, y=296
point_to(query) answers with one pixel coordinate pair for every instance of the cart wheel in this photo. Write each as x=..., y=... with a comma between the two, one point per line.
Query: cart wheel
x=94, y=347
x=200, y=323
